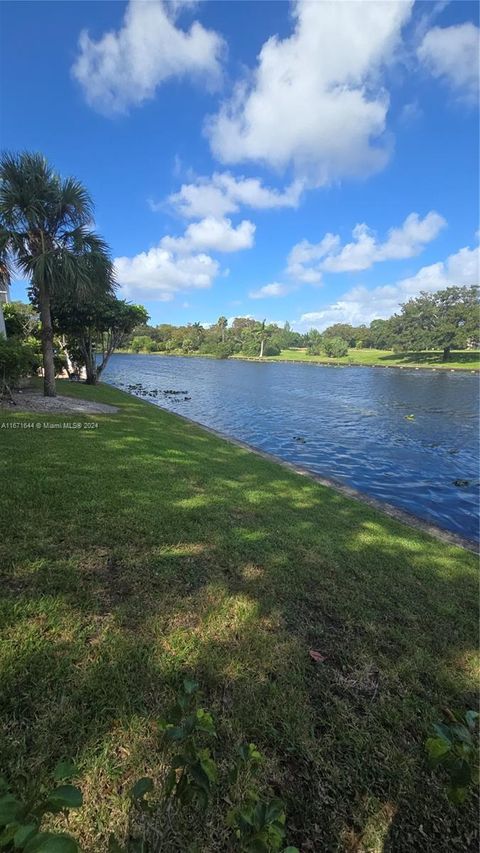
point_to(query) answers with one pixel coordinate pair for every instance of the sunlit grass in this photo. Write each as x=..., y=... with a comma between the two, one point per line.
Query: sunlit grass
x=460, y=359
x=148, y=549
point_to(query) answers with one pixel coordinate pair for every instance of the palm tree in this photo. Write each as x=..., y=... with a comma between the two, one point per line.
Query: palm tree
x=222, y=324
x=44, y=233
x=4, y=285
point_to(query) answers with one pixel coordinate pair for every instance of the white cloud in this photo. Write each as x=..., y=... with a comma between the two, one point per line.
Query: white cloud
x=274, y=289
x=362, y=305
x=315, y=100
x=452, y=53
x=124, y=68
x=159, y=274
x=223, y=193
x=182, y=263
x=307, y=260
x=212, y=234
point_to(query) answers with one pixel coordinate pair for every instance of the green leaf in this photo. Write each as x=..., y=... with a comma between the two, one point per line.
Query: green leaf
x=443, y=731
x=10, y=809
x=142, y=787
x=275, y=810
x=456, y=795
x=210, y=768
x=64, y=770
x=200, y=777
x=471, y=718
x=23, y=834
x=437, y=747
x=65, y=797
x=8, y=835
x=460, y=774
x=190, y=686
x=291, y=850
x=205, y=721
x=176, y=733
x=47, y=842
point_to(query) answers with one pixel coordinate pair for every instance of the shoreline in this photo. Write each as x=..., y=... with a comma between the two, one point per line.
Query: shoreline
x=404, y=517
x=277, y=360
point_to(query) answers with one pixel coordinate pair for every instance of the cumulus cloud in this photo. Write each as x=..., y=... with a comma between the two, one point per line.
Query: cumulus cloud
x=268, y=290
x=124, y=68
x=223, y=193
x=315, y=99
x=218, y=235
x=160, y=274
x=362, y=305
x=307, y=261
x=452, y=54
x=182, y=263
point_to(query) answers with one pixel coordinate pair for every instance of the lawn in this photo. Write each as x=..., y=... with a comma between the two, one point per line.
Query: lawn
x=145, y=550
x=459, y=360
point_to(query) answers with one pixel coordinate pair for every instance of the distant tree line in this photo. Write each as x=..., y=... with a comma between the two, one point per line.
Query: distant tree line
x=445, y=320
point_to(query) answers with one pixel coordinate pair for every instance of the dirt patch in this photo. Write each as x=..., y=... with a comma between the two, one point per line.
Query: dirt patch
x=31, y=401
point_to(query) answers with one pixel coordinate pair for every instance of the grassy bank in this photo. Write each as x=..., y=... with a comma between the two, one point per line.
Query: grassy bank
x=144, y=550
x=460, y=360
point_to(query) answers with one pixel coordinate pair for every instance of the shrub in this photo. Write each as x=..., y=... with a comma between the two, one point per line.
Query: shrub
x=142, y=343
x=454, y=748
x=21, y=822
x=17, y=359
x=335, y=347
x=271, y=349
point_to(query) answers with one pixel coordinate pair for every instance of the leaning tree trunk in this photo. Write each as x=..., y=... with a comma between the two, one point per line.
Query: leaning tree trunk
x=262, y=342
x=47, y=343
x=446, y=354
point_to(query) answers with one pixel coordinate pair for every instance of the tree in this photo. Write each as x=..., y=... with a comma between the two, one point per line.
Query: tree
x=21, y=320
x=95, y=329
x=314, y=342
x=443, y=320
x=222, y=324
x=381, y=334
x=44, y=231
x=142, y=343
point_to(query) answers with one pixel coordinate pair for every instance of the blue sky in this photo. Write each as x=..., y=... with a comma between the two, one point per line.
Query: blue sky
x=312, y=161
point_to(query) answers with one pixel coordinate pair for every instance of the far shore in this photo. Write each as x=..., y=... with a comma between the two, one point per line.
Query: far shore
x=461, y=360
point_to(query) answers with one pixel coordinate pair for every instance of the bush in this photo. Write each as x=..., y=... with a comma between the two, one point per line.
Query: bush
x=220, y=350
x=142, y=343
x=335, y=347
x=16, y=360
x=271, y=349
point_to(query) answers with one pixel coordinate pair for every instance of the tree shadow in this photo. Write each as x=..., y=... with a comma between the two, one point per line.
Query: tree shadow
x=467, y=358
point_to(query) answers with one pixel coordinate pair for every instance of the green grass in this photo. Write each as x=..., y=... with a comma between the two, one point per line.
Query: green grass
x=145, y=550
x=460, y=359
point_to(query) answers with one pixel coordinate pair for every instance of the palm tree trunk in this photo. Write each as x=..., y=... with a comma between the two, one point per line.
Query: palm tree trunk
x=47, y=343
x=262, y=342
x=3, y=330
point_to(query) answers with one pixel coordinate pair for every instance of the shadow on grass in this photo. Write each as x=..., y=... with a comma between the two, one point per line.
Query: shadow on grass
x=468, y=359
x=149, y=550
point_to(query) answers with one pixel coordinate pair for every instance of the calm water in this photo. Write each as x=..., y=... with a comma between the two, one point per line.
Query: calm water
x=351, y=422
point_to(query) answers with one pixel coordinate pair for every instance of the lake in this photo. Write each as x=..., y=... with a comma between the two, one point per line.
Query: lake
x=349, y=424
